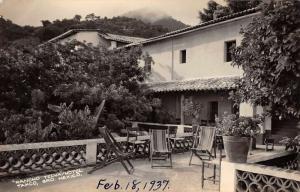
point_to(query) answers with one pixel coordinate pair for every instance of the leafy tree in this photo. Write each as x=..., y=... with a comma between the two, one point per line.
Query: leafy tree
x=34, y=77
x=91, y=17
x=238, y=5
x=10, y=32
x=269, y=55
x=215, y=10
x=48, y=32
x=77, y=18
x=45, y=23
x=212, y=8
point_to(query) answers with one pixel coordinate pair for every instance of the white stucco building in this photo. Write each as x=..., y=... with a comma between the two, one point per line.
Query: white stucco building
x=196, y=62
x=193, y=62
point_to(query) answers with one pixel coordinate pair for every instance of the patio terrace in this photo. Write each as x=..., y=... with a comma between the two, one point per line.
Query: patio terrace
x=181, y=177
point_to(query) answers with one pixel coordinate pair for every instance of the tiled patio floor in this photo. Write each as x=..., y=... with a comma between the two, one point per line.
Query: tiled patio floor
x=182, y=178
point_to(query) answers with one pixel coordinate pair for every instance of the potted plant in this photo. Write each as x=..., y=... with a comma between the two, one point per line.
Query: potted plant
x=237, y=132
x=291, y=143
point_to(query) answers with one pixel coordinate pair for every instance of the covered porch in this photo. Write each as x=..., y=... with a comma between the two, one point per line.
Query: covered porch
x=211, y=93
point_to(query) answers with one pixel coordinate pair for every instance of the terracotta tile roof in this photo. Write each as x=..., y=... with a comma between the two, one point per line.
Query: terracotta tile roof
x=199, y=26
x=202, y=84
x=109, y=36
x=122, y=38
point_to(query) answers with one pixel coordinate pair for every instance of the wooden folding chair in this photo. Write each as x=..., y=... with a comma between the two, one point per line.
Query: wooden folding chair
x=133, y=133
x=160, y=146
x=215, y=161
x=114, y=147
x=203, y=143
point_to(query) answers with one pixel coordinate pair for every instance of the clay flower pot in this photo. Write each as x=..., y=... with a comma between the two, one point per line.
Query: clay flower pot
x=236, y=148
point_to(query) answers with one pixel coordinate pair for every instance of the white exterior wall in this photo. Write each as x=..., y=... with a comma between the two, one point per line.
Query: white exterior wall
x=88, y=37
x=204, y=49
x=113, y=45
x=161, y=53
x=247, y=110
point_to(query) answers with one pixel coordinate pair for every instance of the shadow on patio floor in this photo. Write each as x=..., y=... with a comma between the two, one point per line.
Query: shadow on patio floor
x=181, y=178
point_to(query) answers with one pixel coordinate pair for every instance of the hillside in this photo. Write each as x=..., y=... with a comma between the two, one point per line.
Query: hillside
x=10, y=32
x=156, y=17
x=170, y=23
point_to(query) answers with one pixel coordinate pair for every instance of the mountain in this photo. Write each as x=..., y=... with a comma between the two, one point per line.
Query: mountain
x=156, y=17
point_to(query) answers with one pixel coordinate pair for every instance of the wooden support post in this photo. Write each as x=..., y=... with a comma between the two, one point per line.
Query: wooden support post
x=182, y=109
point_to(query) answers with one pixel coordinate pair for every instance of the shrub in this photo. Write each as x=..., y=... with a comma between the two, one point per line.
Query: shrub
x=233, y=125
x=34, y=77
x=291, y=143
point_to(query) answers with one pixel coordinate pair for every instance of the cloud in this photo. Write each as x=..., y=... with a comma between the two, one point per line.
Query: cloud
x=31, y=12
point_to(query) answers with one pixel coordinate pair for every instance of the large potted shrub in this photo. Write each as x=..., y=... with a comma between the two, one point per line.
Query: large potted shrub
x=237, y=132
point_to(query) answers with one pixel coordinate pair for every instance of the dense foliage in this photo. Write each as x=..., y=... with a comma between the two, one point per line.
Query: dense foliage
x=215, y=10
x=292, y=143
x=269, y=56
x=213, y=7
x=76, y=77
x=237, y=5
x=193, y=109
x=233, y=125
x=10, y=31
x=118, y=25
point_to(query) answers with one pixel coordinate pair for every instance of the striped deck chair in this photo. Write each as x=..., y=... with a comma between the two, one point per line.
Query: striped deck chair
x=114, y=147
x=203, y=143
x=160, y=146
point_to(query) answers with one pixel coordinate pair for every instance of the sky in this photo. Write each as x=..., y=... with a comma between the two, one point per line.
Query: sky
x=31, y=12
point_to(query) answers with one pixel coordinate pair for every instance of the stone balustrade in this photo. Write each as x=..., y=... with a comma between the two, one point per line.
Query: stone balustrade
x=259, y=175
x=266, y=179
x=39, y=157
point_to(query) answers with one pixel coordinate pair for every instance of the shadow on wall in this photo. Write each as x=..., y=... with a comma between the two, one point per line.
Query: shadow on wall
x=164, y=74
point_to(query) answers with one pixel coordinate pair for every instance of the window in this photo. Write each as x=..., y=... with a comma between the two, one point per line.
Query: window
x=183, y=56
x=229, y=46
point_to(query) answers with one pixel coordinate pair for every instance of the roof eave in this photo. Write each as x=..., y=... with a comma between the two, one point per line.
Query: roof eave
x=186, y=30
